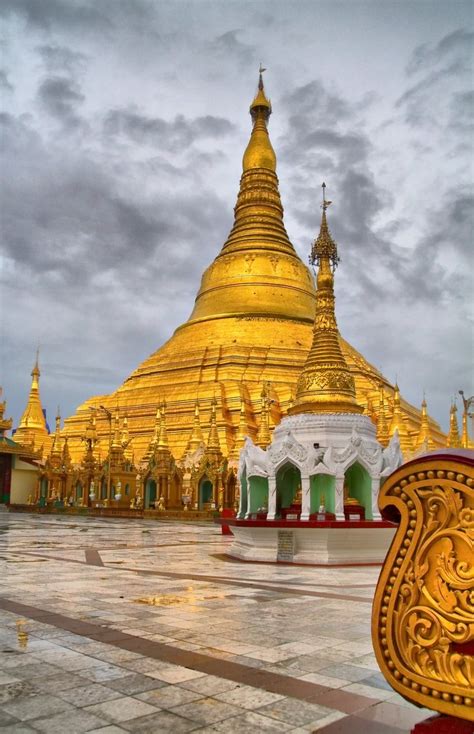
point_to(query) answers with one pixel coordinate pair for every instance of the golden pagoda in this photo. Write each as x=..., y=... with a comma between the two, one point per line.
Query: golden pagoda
x=252, y=324
x=32, y=430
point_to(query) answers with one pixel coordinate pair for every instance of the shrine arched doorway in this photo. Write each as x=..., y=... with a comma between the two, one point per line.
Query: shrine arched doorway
x=358, y=486
x=205, y=492
x=175, y=492
x=150, y=493
x=79, y=491
x=103, y=489
x=288, y=482
x=44, y=487
x=322, y=492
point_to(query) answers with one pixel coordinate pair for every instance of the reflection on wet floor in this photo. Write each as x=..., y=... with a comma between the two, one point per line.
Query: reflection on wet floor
x=169, y=600
x=22, y=633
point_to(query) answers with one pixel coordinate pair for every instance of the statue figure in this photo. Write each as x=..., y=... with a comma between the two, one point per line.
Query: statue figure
x=298, y=498
x=160, y=505
x=322, y=506
x=348, y=500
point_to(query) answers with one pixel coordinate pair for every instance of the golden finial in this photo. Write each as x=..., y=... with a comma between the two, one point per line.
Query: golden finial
x=324, y=245
x=260, y=102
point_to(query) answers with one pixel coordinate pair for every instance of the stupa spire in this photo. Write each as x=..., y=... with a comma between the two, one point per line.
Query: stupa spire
x=257, y=252
x=154, y=439
x=213, y=443
x=32, y=427
x=117, y=438
x=196, y=439
x=263, y=436
x=162, y=442
x=424, y=438
x=326, y=384
x=56, y=448
x=398, y=424
x=454, y=439
x=383, y=435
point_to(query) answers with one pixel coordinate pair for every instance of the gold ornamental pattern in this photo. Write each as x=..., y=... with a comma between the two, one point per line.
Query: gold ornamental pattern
x=327, y=379
x=423, y=614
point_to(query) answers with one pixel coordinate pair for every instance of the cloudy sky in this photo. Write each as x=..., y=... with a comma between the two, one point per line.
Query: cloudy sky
x=123, y=127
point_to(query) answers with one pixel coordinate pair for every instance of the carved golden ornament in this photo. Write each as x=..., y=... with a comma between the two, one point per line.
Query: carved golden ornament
x=423, y=612
x=327, y=380
x=325, y=320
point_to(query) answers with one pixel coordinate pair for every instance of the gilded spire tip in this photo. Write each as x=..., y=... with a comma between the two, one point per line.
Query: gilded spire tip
x=324, y=247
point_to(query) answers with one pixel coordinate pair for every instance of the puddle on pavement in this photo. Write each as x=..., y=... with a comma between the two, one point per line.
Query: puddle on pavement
x=22, y=634
x=171, y=600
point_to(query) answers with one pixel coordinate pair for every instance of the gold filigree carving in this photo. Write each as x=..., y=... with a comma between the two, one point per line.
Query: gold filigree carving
x=423, y=615
x=326, y=380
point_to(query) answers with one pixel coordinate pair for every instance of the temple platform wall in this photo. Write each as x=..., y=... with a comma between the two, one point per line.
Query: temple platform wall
x=331, y=543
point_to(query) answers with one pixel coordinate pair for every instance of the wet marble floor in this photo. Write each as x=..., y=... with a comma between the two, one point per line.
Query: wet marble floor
x=142, y=626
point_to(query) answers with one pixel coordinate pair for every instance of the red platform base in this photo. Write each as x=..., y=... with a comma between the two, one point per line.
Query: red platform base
x=225, y=529
x=441, y=724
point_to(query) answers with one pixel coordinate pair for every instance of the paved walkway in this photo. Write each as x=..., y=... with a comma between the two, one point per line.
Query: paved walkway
x=117, y=626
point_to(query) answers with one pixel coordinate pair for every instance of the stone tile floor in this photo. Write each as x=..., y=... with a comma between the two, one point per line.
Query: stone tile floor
x=118, y=626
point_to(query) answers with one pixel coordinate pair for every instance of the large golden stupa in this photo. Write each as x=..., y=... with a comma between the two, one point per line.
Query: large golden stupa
x=249, y=332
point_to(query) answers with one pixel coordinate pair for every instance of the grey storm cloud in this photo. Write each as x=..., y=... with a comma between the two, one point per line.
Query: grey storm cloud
x=439, y=66
x=424, y=56
x=49, y=13
x=61, y=58
x=228, y=44
x=60, y=97
x=70, y=221
x=4, y=82
x=172, y=135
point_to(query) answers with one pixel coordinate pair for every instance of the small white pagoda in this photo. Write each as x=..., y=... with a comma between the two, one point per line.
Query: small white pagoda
x=323, y=469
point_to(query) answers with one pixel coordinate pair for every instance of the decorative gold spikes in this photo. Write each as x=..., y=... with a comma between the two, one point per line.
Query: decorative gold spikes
x=263, y=436
x=383, y=435
x=196, y=438
x=213, y=443
x=398, y=424
x=424, y=439
x=454, y=439
x=162, y=443
x=326, y=384
x=56, y=448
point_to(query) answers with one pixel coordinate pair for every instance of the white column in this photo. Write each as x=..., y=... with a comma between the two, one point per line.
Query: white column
x=249, y=498
x=271, y=497
x=339, y=507
x=305, y=499
x=375, y=498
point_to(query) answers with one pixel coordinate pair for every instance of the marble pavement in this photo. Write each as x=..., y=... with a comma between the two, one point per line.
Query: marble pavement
x=117, y=626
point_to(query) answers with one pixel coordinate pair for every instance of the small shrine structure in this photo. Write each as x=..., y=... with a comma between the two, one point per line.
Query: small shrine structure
x=323, y=469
